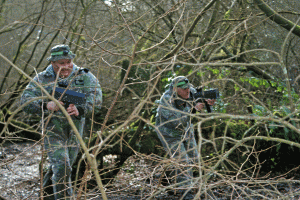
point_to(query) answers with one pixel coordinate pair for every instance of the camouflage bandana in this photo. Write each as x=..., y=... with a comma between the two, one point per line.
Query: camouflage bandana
x=59, y=52
x=181, y=81
x=183, y=84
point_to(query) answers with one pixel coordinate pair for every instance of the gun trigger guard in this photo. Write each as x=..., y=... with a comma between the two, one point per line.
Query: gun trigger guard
x=84, y=70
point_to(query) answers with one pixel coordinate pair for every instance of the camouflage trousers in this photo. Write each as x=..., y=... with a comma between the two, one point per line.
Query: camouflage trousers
x=62, y=148
x=183, y=148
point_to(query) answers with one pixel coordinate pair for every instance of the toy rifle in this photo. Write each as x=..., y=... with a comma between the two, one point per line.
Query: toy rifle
x=201, y=95
x=69, y=97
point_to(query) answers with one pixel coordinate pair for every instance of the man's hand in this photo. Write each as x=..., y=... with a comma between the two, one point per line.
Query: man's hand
x=199, y=106
x=72, y=110
x=211, y=102
x=51, y=105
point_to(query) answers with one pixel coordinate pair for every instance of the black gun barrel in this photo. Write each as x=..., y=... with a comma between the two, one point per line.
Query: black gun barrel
x=207, y=94
x=211, y=94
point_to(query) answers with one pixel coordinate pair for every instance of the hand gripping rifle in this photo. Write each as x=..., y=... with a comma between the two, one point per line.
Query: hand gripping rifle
x=201, y=95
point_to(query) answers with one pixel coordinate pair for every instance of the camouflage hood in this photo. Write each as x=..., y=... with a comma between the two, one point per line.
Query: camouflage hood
x=173, y=84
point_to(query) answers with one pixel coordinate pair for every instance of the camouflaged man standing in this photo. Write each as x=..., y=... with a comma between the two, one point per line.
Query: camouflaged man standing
x=60, y=141
x=175, y=130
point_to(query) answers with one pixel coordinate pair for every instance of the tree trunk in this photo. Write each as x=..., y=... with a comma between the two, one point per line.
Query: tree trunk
x=278, y=19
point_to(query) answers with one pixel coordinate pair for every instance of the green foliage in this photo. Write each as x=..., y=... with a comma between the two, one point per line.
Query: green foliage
x=257, y=82
x=220, y=106
x=219, y=73
x=279, y=86
x=272, y=154
x=227, y=14
x=167, y=79
x=215, y=130
x=276, y=130
x=259, y=110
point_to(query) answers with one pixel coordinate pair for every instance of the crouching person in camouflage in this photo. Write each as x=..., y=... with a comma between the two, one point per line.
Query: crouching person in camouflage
x=175, y=130
x=60, y=141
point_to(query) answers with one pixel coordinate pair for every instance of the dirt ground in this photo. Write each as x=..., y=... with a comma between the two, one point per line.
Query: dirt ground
x=19, y=180
x=19, y=171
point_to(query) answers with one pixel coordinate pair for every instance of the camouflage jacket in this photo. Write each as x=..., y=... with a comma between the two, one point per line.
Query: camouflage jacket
x=173, y=115
x=80, y=80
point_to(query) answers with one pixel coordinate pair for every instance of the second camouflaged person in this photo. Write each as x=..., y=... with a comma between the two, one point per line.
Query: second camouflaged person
x=175, y=130
x=60, y=141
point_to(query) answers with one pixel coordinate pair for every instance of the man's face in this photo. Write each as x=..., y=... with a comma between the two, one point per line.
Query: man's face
x=183, y=93
x=63, y=67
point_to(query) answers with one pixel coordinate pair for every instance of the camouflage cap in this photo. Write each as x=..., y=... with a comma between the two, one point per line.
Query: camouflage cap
x=59, y=52
x=181, y=81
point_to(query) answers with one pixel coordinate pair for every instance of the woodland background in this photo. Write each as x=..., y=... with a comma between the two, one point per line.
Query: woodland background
x=248, y=49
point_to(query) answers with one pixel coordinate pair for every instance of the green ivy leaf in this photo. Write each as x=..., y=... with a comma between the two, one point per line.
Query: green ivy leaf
x=215, y=71
x=236, y=88
x=279, y=89
x=227, y=14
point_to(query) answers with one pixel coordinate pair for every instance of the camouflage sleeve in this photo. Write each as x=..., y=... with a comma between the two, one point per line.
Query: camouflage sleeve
x=32, y=91
x=93, y=95
x=171, y=115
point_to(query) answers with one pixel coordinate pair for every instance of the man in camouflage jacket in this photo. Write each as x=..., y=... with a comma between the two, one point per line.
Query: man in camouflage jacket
x=60, y=141
x=174, y=127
